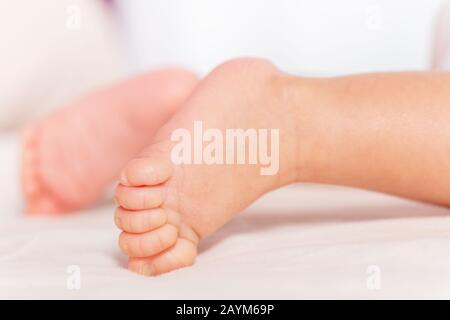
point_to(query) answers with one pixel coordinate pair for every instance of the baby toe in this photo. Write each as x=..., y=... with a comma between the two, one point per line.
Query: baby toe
x=145, y=172
x=150, y=243
x=140, y=198
x=181, y=255
x=140, y=221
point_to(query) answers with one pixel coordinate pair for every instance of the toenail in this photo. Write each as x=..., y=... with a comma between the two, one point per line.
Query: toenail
x=148, y=269
x=118, y=222
x=124, y=179
x=125, y=247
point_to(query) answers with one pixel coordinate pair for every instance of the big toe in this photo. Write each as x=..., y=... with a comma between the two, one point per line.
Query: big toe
x=149, y=243
x=182, y=254
x=145, y=172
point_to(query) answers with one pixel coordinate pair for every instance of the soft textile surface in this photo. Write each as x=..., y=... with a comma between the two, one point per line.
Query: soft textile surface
x=300, y=242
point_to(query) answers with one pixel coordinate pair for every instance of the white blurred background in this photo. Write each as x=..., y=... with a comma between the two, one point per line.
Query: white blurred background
x=53, y=51
x=326, y=37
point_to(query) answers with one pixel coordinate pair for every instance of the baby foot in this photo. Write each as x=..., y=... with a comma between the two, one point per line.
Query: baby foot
x=70, y=157
x=164, y=208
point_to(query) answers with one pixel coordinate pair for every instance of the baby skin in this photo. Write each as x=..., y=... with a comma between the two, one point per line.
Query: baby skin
x=383, y=132
x=71, y=156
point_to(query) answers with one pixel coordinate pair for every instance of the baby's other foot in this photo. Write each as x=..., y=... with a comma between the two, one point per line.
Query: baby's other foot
x=70, y=157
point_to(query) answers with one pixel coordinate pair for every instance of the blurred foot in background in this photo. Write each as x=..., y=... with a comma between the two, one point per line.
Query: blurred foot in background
x=71, y=156
x=52, y=52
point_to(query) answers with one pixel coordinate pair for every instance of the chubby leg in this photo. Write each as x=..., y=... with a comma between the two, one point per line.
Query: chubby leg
x=383, y=132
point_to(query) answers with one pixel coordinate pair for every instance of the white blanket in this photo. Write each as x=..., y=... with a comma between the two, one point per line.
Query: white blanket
x=299, y=242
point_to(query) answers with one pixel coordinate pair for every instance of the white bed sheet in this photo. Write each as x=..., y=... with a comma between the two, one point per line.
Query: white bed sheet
x=299, y=242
